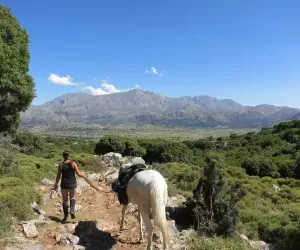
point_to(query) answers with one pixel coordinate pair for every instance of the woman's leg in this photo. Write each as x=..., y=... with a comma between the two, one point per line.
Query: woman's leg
x=64, y=194
x=72, y=202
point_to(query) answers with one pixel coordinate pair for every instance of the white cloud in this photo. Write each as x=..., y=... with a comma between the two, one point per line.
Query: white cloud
x=95, y=91
x=137, y=86
x=62, y=80
x=107, y=88
x=154, y=71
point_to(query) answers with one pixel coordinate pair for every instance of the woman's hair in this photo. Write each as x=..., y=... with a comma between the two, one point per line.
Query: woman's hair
x=66, y=154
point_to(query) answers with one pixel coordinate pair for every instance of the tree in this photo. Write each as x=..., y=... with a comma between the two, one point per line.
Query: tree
x=110, y=144
x=16, y=85
x=260, y=166
x=214, y=202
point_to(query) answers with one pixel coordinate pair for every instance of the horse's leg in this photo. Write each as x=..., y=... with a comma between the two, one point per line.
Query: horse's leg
x=123, y=216
x=140, y=219
x=145, y=216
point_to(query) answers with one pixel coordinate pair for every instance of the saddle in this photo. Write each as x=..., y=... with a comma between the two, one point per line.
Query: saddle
x=119, y=186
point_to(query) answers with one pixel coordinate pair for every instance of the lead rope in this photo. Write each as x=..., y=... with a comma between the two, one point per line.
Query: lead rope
x=92, y=185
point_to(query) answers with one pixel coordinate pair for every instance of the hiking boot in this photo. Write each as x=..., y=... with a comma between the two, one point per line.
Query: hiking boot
x=72, y=208
x=66, y=211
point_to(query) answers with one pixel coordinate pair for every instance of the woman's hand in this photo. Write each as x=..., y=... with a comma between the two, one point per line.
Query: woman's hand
x=55, y=187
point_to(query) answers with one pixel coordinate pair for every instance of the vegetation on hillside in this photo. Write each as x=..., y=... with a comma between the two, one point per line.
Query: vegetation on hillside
x=16, y=85
x=232, y=182
x=26, y=159
x=254, y=164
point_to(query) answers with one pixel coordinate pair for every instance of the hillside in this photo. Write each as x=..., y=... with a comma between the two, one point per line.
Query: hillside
x=257, y=175
x=147, y=108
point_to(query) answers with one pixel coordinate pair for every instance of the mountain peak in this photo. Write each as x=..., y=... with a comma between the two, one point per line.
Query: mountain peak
x=145, y=107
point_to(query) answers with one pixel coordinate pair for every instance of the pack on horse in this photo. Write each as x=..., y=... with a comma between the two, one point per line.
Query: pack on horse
x=147, y=189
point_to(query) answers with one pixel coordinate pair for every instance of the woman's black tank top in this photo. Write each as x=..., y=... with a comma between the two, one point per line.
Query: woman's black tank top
x=68, y=179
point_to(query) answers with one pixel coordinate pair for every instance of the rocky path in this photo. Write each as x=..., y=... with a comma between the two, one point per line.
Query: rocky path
x=96, y=226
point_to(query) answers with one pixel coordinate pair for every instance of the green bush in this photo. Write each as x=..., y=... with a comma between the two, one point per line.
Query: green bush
x=19, y=187
x=261, y=166
x=29, y=142
x=180, y=175
x=162, y=151
x=7, y=155
x=216, y=243
x=5, y=220
x=122, y=145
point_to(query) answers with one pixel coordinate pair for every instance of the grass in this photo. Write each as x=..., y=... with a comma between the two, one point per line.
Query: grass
x=216, y=243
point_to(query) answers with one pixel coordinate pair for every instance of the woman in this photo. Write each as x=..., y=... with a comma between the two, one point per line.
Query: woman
x=66, y=170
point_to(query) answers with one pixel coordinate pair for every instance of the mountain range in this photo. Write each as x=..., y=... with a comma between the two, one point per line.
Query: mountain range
x=144, y=107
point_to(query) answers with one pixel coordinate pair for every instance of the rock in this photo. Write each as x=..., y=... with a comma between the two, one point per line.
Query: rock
x=81, y=183
x=77, y=207
x=177, y=246
x=157, y=237
x=42, y=212
x=30, y=230
x=138, y=160
x=53, y=195
x=104, y=225
x=41, y=217
x=47, y=182
x=243, y=237
x=113, y=159
x=64, y=240
x=113, y=155
x=73, y=239
x=71, y=227
x=276, y=188
x=34, y=205
x=180, y=197
x=260, y=245
x=26, y=246
x=172, y=228
x=171, y=205
x=78, y=247
x=42, y=188
x=94, y=177
x=113, y=176
x=57, y=237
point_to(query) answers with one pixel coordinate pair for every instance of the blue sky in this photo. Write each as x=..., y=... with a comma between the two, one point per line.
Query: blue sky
x=248, y=51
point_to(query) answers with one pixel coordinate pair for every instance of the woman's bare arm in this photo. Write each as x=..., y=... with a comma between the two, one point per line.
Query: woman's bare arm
x=57, y=177
x=77, y=170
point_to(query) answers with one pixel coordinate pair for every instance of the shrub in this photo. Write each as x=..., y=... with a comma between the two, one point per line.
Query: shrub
x=93, y=164
x=261, y=166
x=29, y=142
x=216, y=243
x=165, y=151
x=7, y=155
x=5, y=220
x=214, y=203
x=286, y=167
x=110, y=144
x=180, y=175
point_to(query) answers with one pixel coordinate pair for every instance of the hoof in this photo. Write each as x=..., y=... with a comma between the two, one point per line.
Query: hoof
x=140, y=241
x=121, y=228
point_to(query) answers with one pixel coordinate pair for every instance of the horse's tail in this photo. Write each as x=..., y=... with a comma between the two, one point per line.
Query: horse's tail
x=159, y=196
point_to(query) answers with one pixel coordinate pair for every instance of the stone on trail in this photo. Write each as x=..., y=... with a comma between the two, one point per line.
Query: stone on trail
x=138, y=160
x=30, y=230
x=47, y=182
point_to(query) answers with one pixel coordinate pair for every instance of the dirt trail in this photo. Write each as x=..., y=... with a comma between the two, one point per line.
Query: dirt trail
x=97, y=223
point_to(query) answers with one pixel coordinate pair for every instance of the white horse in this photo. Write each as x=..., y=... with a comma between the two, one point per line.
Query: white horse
x=148, y=189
